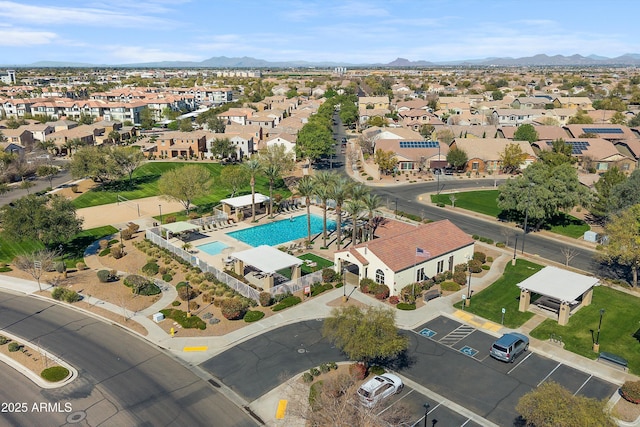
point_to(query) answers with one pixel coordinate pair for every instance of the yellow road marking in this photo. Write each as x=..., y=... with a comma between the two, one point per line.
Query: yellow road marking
x=199, y=348
x=282, y=407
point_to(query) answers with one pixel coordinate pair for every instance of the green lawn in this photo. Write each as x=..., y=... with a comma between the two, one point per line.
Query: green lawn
x=486, y=202
x=483, y=201
x=321, y=263
x=620, y=333
x=73, y=251
x=145, y=184
x=503, y=293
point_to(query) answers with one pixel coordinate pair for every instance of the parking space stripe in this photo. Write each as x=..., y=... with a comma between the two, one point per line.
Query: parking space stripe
x=583, y=384
x=466, y=422
x=550, y=373
x=520, y=363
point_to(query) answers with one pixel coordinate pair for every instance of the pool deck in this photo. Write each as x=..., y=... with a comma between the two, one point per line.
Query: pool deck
x=220, y=235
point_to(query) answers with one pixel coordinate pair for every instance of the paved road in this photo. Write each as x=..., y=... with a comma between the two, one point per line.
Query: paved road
x=407, y=201
x=40, y=184
x=141, y=383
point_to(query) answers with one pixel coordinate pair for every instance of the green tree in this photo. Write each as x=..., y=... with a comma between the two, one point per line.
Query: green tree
x=426, y=131
x=445, y=136
x=114, y=136
x=497, y=95
x=526, y=132
x=127, y=160
x=551, y=405
x=339, y=191
x=306, y=189
x=216, y=124
x=322, y=183
x=626, y=193
x=543, y=192
x=512, y=158
x=147, y=119
x=48, y=172
x=618, y=119
x=222, y=148
x=185, y=125
x=233, y=178
x=457, y=158
x=93, y=162
x=26, y=185
x=386, y=160
x=581, y=118
x=85, y=119
x=253, y=167
x=314, y=141
x=185, y=184
x=377, y=121
x=601, y=206
x=634, y=121
x=47, y=220
x=367, y=335
x=560, y=153
x=348, y=110
x=275, y=161
x=623, y=246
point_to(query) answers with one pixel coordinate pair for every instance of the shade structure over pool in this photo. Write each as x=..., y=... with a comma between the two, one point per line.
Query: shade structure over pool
x=242, y=201
x=180, y=227
x=559, y=284
x=267, y=258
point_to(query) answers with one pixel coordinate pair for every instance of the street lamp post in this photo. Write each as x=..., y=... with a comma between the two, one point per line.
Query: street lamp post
x=596, y=345
x=426, y=413
x=526, y=215
x=188, y=300
x=396, y=210
x=160, y=207
x=468, y=302
x=439, y=171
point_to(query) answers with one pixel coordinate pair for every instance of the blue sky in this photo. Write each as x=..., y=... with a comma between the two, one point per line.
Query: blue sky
x=356, y=32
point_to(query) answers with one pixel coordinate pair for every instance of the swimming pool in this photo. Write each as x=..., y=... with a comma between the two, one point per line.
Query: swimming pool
x=278, y=232
x=212, y=248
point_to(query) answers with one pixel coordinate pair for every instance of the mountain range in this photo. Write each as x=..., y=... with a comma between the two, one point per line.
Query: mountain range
x=629, y=59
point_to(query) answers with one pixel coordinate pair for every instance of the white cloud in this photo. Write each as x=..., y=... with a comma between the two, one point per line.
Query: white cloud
x=23, y=37
x=51, y=15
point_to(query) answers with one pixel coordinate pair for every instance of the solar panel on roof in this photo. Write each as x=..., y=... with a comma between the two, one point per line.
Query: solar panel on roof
x=602, y=130
x=418, y=144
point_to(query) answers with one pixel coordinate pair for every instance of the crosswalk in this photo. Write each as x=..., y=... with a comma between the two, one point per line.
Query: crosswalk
x=457, y=335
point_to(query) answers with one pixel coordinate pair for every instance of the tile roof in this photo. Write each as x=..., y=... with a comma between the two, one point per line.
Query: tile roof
x=437, y=238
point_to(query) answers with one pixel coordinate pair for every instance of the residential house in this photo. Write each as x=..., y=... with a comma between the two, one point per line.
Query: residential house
x=79, y=135
x=516, y=116
x=545, y=133
x=581, y=102
x=237, y=115
x=407, y=254
x=415, y=155
x=484, y=154
x=177, y=144
x=530, y=102
x=40, y=131
x=288, y=140
x=606, y=131
x=373, y=102
x=21, y=136
x=595, y=154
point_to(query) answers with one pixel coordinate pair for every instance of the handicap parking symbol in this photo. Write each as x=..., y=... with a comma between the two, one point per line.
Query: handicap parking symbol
x=469, y=351
x=427, y=333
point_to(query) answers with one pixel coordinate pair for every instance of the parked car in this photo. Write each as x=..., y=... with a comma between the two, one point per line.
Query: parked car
x=509, y=346
x=378, y=388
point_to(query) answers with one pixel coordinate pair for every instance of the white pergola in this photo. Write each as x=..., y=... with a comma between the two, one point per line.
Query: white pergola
x=268, y=260
x=180, y=227
x=561, y=285
x=241, y=202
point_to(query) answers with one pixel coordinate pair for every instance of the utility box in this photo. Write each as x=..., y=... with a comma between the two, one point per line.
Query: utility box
x=590, y=236
x=158, y=317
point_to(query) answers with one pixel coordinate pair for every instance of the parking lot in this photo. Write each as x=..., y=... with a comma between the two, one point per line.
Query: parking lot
x=452, y=359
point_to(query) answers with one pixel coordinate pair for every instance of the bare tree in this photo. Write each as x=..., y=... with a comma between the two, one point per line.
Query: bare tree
x=569, y=254
x=453, y=200
x=36, y=263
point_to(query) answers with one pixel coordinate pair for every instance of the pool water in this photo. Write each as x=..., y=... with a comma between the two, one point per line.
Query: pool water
x=212, y=248
x=278, y=232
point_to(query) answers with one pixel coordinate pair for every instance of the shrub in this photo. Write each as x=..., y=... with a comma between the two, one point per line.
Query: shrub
x=286, y=303
x=104, y=244
x=208, y=297
x=176, y=303
x=133, y=227
x=104, y=276
x=501, y=244
x=14, y=346
x=232, y=308
x=382, y=292
x=630, y=390
x=475, y=266
x=328, y=275
x=358, y=371
x=460, y=267
x=265, y=299
x=440, y=205
x=141, y=285
x=60, y=267
x=318, y=288
x=489, y=259
x=253, y=316
x=182, y=319
x=369, y=178
x=480, y=256
x=3, y=340
x=324, y=368
x=405, y=306
x=126, y=234
x=450, y=286
x=394, y=300
x=105, y=252
x=307, y=377
x=133, y=280
x=167, y=277
x=366, y=285
x=55, y=374
x=117, y=252
x=71, y=296
x=475, y=237
x=376, y=370
x=460, y=277
x=57, y=293
x=314, y=371
x=169, y=219
x=486, y=240
x=186, y=292
x=150, y=268
x=193, y=306
x=486, y=267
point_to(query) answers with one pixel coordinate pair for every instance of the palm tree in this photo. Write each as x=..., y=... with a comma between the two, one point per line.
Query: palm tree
x=371, y=202
x=322, y=182
x=355, y=208
x=306, y=189
x=253, y=167
x=358, y=191
x=340, y=190
x=275, y=160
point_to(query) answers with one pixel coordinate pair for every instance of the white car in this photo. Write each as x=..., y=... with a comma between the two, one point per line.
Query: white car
x=378, y=388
